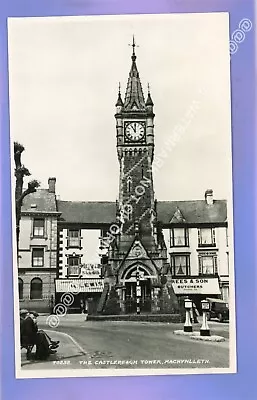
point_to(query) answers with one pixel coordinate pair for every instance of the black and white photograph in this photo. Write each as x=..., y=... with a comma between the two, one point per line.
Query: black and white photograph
x=122, y=199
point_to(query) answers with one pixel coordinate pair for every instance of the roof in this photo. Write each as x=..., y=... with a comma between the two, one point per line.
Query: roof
x=193, y=211
x=41, y=201
x=91, y=212
x=134, y=97
x=103, y=212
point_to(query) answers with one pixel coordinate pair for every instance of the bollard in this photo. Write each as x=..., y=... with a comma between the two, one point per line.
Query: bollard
x=205, y=331
x=138, y=292
x=188, y=325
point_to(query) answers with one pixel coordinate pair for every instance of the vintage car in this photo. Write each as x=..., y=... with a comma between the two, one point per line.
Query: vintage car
x=218, y=309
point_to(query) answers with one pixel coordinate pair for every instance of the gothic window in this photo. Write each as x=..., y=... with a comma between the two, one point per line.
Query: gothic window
x=180, y=264
x=179, y=237
x=20, y=288
x=38, y=227
x=37, y=257
x=36, y=289
x=129, y=185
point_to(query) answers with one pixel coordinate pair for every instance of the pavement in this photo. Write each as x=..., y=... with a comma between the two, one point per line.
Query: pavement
x=127, y=344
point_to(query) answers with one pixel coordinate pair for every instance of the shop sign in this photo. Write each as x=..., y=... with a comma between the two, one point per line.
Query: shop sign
x=189, y=286
x=90, y=271
x=79, y=285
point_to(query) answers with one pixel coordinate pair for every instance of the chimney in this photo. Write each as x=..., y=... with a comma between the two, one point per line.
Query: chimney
x=209, y=196
x=51, y=185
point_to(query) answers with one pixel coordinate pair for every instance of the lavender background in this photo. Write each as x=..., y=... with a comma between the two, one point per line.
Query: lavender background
x=242, y=385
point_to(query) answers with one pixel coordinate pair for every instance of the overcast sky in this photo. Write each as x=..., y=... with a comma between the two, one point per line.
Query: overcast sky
x=64, y=75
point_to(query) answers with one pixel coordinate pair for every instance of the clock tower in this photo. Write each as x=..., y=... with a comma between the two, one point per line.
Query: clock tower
x=137, y=258
x=135, y=148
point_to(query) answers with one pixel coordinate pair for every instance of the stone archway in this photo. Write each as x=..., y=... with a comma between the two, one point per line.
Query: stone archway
x=137, y=275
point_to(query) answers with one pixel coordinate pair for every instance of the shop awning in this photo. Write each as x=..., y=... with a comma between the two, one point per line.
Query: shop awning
x=79, y=285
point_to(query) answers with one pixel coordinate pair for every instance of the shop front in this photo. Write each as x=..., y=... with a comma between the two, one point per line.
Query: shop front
x=197, y=289
x=79, y=295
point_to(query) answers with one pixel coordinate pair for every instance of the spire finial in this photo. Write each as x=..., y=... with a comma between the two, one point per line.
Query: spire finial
x=119, y=87
x=133, y=45
x=148, y=88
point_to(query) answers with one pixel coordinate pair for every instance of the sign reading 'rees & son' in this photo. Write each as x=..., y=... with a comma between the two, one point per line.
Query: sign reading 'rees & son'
x=208, y=286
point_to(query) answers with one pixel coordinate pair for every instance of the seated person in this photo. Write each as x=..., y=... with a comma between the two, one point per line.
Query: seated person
x=30, y=334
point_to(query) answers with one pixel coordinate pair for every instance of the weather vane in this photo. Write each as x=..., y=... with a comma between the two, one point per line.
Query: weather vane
x=133, y=44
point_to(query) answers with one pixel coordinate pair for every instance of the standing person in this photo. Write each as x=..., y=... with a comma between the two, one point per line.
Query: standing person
x=195, y=313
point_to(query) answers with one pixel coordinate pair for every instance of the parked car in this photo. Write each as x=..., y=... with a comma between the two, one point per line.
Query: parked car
x=218, y=309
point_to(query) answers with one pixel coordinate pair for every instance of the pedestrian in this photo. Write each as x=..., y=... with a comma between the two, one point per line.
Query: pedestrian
x=195, y=313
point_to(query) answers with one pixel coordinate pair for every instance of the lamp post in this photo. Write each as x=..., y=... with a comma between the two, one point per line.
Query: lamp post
x=138, y=292
x=188, y=325
x=205, y=331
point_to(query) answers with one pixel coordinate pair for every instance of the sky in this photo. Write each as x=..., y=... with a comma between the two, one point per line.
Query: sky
x=63, y=82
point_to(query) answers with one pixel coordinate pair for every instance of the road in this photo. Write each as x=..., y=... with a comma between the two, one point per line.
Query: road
x=124, y=344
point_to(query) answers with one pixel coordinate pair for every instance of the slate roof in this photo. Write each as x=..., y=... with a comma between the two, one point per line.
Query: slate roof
x=42, y=199
x=91, y=212
x=134, y=95
x=193, y=211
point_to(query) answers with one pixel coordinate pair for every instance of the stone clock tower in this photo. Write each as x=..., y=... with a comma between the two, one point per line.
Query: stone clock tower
x=138, y=255
x=135, y=147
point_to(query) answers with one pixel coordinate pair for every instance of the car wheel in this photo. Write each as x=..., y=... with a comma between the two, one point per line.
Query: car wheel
x=220, y=317
x=208, y=316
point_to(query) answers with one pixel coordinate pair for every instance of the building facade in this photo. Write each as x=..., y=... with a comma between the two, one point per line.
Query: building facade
x=37, y=255
x=146, y=250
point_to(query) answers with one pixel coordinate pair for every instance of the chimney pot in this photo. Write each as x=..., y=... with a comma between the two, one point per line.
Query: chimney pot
x=209, y=196
x=51, y=185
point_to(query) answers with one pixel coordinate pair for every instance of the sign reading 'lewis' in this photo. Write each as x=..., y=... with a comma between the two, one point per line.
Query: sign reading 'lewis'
x=196, y=286
x=79, y=285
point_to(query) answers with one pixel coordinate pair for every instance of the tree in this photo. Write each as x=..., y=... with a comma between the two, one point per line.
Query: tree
x=20, y=172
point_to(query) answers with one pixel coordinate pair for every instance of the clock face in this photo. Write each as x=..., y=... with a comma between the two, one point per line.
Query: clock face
x=135, y=131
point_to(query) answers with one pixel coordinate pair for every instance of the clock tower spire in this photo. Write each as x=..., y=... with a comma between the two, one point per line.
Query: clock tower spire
x=138, y=253
x=135, y=148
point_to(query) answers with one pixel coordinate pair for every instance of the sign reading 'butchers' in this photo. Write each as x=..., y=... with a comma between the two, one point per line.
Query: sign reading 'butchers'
x=208, y=286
